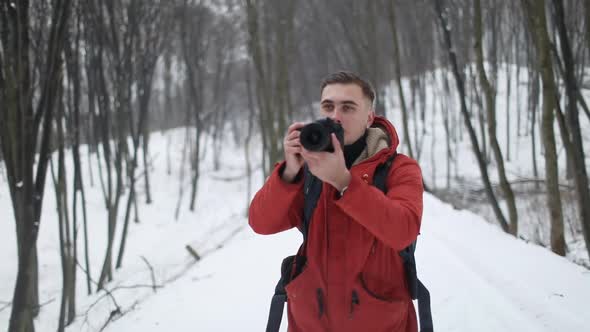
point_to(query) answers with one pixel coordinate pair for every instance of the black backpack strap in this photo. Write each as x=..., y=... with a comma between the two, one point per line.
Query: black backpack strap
x=293, y=265
x=424, y=311
x=417, y=290
x=312, y=188
x=290, y=268
x=381, y=173
x=277, y=306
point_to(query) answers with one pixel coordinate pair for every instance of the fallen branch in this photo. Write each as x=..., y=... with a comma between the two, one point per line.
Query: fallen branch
x=193, y=252
x=41, y=305
x=136, y=286
x=476, y=189
x=107, y=293
x=234, y=177
x=151, y=273
x=112, y=316
x=229, y=178
x=225, y=240
x=6, y=305
x=117, y=311
x=525, y=181
x=198, y=257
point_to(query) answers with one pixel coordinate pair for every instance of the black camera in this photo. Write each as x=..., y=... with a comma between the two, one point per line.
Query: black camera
x=315, y=136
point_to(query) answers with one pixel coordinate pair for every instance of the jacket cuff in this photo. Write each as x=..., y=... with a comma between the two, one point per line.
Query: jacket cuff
x=354, y=192
x=279, y=183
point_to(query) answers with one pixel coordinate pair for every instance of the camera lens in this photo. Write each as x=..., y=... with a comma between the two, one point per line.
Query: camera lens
x=315, y=137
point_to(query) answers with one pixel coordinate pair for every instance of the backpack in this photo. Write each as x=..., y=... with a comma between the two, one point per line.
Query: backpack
x=293, y=265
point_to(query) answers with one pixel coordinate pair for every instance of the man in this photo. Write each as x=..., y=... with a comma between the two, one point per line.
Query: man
x=354, y=279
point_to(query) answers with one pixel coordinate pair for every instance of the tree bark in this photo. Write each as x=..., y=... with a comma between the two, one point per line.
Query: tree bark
x=22, y=128
x=490, y=105
x=579, y=163
x=398, y=75
x=536, y=19
x=443, y=23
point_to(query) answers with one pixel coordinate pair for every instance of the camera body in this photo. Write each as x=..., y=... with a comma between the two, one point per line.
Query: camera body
x=316, y=136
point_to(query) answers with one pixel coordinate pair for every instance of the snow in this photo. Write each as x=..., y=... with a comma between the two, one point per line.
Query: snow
x=465, y=174
x=480, y=278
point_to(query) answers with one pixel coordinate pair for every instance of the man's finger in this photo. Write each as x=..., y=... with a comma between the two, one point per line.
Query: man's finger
x=293, y=149
x=336, y=143
x=292, y=142
x=294, y=127
x=294, y=135
x=308, y=155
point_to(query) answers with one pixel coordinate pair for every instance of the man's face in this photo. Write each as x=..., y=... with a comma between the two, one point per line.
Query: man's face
x=347, y=105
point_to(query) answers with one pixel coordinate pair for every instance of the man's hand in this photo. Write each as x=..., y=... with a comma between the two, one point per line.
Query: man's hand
x=293, y=148
x=329, y=167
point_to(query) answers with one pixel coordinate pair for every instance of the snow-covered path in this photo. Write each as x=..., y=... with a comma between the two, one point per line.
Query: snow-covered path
x=480, y=279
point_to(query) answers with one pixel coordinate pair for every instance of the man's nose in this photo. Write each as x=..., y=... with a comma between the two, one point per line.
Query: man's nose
x=336, y=115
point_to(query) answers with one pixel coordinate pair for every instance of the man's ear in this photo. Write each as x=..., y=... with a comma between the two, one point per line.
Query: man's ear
x=371, y=118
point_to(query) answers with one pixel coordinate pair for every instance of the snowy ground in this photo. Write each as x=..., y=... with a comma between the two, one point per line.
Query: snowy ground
x=511, y=103
x=480, y=278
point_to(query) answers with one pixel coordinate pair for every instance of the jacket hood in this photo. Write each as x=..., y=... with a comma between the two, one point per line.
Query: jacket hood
x=381, y=135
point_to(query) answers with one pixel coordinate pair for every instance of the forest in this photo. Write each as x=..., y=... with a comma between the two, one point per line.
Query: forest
x=490, y=97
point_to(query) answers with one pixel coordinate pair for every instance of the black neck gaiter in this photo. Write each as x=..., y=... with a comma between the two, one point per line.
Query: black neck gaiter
x=353, y=151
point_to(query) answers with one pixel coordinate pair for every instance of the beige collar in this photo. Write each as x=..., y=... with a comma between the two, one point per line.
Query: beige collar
x=377, y=140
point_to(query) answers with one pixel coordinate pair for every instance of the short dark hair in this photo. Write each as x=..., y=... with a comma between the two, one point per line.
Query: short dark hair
x=346, y=77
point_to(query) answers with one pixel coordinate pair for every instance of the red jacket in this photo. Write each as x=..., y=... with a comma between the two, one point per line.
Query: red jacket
x=353, y=245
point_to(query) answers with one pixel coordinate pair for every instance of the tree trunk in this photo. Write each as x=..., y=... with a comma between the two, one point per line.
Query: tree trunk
x=398, y=76
x=472, y=135
x=65, y=238
x=534, y=102
x=490, y=105
x=579, y=163
x=22, y=128
x=535, y=12
x=508, y=118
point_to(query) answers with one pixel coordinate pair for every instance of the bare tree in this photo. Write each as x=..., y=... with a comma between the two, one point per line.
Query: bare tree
x=271, y=61
x=148, y=24
x=195, y=41
x=444, y=26
x=490, y=106
x=536, y=22
x=108, y=55
x=67, y=230
x=25, y=131
x=397, y=65
x=73, y=65
x=579, y=163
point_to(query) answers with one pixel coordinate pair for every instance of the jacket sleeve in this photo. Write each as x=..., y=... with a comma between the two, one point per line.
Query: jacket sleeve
x=278, y=205
x=393, y=218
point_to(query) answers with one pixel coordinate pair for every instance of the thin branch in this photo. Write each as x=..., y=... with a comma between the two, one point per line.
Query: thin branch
x=193, y=252
x=107, y=293
x=6, y=305
x=151, y=272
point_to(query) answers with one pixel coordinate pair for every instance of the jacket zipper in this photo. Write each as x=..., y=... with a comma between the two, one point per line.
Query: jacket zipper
x=320, y=298
x=354, y=302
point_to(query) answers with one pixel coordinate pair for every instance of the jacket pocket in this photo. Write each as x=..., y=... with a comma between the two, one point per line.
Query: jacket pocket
x=383, y=275
x=369, y=312
x=305, y=302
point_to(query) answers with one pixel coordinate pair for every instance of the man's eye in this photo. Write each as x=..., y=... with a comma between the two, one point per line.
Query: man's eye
x=328, y=107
